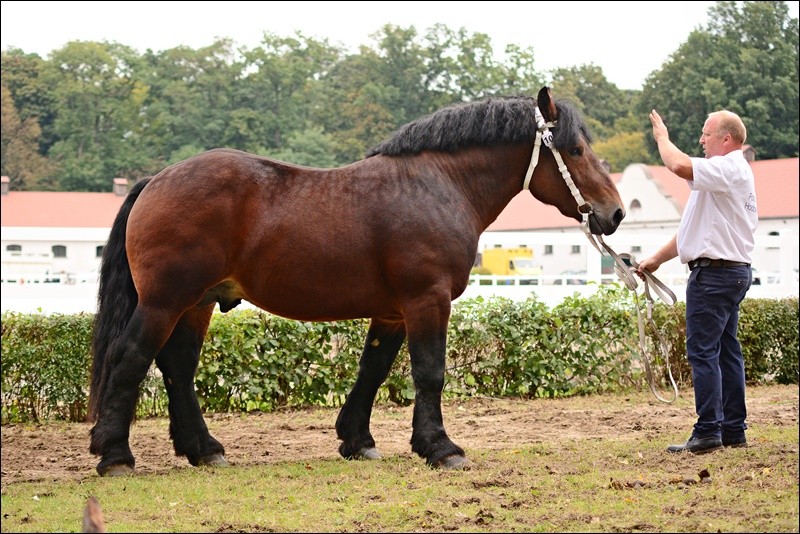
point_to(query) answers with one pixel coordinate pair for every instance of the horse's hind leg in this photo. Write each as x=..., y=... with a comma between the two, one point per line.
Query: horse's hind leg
x=384, y=340
x=130, y=357
x=177, y=362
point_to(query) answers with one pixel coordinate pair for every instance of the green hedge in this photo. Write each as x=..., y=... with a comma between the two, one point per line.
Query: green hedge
x=252, y=360
x=45, y=366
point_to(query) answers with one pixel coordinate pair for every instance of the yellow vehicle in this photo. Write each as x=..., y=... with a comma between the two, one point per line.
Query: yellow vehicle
x=511, y=262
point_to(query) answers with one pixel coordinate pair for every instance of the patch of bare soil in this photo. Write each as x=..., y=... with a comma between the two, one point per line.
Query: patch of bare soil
x=55, y=451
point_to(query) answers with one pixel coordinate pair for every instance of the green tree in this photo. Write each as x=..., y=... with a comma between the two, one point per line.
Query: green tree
x=600, y=101
x=477, y=72
x=98, y=120
x=519, y=73
x=281, y=85
x=21, y=161
x=622, y=149
x=356, y=106
x=310, y=147
x=191, y=104
x=403, y=71
x=745, y=61
x=463, y=66
x=22, y=75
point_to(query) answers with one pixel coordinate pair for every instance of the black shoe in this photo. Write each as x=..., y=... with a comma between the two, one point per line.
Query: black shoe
x=697, y=445
x=735, y=443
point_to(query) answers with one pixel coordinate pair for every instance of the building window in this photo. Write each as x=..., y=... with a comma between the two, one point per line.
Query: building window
x=548, y=250
x=14, y=248
x=98, y=251
x=774, y=233
x=576, y=249
x=635, y=249
x=59, y=251
x=635, y=208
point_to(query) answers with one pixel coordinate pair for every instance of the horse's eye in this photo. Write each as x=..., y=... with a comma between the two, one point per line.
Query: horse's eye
x=575, y=151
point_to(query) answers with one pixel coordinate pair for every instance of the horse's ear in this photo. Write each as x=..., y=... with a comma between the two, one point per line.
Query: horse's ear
x=546, y=105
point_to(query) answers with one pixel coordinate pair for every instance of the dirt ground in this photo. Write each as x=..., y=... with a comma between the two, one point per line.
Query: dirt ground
x=56, y=451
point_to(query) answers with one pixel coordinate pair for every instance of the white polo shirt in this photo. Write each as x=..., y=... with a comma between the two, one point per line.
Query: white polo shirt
x=721, y=216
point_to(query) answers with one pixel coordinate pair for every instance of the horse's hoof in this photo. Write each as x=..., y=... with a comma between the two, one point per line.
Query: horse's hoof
x=454, y=461
x=116, y=471
x=368, y=453
x=215, y=460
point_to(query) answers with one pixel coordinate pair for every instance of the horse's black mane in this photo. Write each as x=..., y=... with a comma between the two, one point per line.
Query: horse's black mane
x=488, y=122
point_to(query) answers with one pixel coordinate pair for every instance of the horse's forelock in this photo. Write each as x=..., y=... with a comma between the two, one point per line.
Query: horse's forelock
x=570, y=127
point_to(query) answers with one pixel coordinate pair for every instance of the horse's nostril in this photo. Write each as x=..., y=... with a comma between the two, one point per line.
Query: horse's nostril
x=619, y=215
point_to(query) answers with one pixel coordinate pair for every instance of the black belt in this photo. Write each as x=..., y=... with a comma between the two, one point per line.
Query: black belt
x=706, y=262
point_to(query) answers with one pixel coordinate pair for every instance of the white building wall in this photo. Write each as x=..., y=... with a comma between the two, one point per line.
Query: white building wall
x=81, y=245
x=654, y=206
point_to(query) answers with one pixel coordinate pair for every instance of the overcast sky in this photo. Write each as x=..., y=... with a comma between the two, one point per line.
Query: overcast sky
x=628, y=40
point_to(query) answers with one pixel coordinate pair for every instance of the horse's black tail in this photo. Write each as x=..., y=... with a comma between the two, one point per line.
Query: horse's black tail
x=116, y=300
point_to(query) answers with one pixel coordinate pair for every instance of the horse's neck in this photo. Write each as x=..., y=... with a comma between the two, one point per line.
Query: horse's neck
x=490, y=177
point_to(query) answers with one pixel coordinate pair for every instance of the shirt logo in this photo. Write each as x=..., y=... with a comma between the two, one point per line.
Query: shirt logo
x=750, y=205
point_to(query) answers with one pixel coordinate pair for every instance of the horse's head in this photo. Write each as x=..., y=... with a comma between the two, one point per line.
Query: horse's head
x=582, y=185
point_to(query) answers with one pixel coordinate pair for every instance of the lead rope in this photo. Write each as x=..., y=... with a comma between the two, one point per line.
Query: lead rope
x=630, y=281
x=621, y=268
x=668, y=297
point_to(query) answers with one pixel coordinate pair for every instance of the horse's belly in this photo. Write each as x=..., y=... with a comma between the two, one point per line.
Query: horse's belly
x=322, y=300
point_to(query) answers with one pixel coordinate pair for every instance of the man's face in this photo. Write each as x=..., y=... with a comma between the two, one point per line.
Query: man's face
x=713, y=144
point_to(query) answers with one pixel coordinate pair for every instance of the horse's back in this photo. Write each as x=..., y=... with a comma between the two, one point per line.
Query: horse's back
x=219, y=168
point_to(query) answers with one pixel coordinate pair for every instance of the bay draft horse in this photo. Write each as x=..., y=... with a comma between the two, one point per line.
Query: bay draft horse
x=391, y=237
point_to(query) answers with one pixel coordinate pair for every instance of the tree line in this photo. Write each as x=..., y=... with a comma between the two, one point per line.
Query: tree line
x=92, y=111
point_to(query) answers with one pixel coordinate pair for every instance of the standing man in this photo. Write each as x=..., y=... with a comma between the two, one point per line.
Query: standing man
x=715, y=238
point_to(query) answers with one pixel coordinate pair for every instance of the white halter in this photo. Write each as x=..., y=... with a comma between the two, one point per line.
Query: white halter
x=543, y=133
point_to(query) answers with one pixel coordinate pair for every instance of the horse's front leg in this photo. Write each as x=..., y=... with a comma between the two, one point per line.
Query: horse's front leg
x=383, y=342
x=426, y=324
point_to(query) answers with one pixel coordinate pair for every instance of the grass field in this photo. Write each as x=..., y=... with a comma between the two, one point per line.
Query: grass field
x=576, y=477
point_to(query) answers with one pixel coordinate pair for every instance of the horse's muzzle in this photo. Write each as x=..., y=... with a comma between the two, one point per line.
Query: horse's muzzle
x=606, y=225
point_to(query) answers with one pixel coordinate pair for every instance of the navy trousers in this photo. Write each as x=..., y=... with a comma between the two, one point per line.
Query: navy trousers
x=713, y=296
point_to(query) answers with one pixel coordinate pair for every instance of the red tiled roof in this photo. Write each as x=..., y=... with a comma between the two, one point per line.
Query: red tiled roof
x=59, y=209
x=777, y=187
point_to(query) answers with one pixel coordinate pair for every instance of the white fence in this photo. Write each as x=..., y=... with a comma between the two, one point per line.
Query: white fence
x=552, y=289
x=36, y=295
